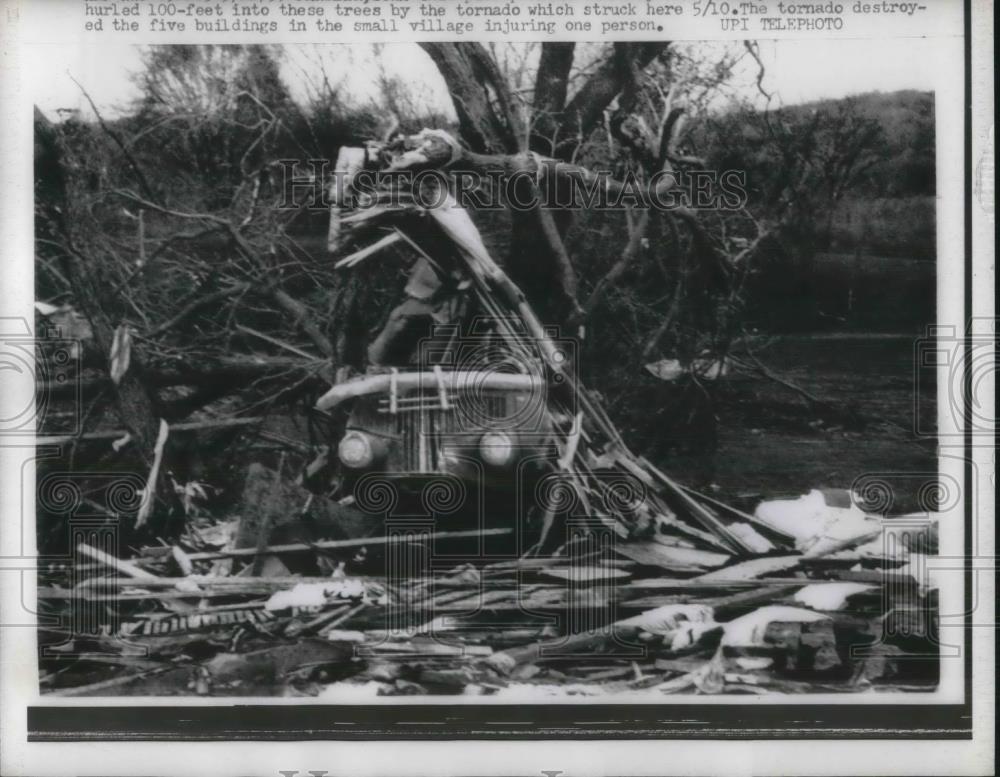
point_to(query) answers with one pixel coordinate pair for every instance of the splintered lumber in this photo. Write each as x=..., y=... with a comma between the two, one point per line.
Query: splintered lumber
x=234, y=583
x=754, y=568
x=585, y=574
x=299, y=547
x=364, y=253
x=700, y=512
x=775, y=535
x=620, y=633
x=414, y=648
x=670, y=557
x=523, y=564
x=165, y=594
x=764, y=591
x=710, y=537
x=728, y=606
x=820, y=549
x=195, y=586
x=117, y=564
x=326, y=620
x=182, y=560
x=704, y=584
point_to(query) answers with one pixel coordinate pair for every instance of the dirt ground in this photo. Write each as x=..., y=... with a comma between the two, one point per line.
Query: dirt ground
x=771, y=443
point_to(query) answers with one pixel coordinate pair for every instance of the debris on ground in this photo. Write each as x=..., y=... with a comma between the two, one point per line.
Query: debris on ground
x=631, y=621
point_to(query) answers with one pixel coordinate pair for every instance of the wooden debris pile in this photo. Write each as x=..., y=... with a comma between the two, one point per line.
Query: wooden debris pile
x=640, y=618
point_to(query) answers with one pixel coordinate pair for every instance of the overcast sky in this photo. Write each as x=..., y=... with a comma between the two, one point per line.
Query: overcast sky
x=797, y=71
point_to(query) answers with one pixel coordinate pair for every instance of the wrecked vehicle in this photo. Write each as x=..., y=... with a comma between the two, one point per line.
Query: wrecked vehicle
x=463, y=437
x=470, y=411
x=461, y=446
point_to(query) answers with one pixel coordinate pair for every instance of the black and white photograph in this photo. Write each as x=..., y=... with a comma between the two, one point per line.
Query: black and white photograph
x=565, y=373
x=521, y=387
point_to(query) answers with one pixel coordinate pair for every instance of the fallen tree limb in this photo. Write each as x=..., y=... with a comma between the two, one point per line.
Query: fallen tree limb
x=195, y=306
x=620, y=634
x=619, y=267
x=117, y=434
x=114, y=682
x=235, y=368
x=304, y=320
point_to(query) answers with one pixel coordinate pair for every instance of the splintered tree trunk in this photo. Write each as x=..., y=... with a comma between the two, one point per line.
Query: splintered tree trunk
x=480, y=94
x=489, y=122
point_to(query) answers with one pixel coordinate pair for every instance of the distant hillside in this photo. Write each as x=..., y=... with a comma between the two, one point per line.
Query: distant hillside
x=859, y=250
x=907, y=121
x=891, y=209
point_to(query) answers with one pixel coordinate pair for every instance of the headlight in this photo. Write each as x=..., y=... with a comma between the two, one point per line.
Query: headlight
x=355, y=450
x=496, y=448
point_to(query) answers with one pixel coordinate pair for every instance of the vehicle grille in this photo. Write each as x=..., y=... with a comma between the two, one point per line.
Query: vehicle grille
x=421, y=421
